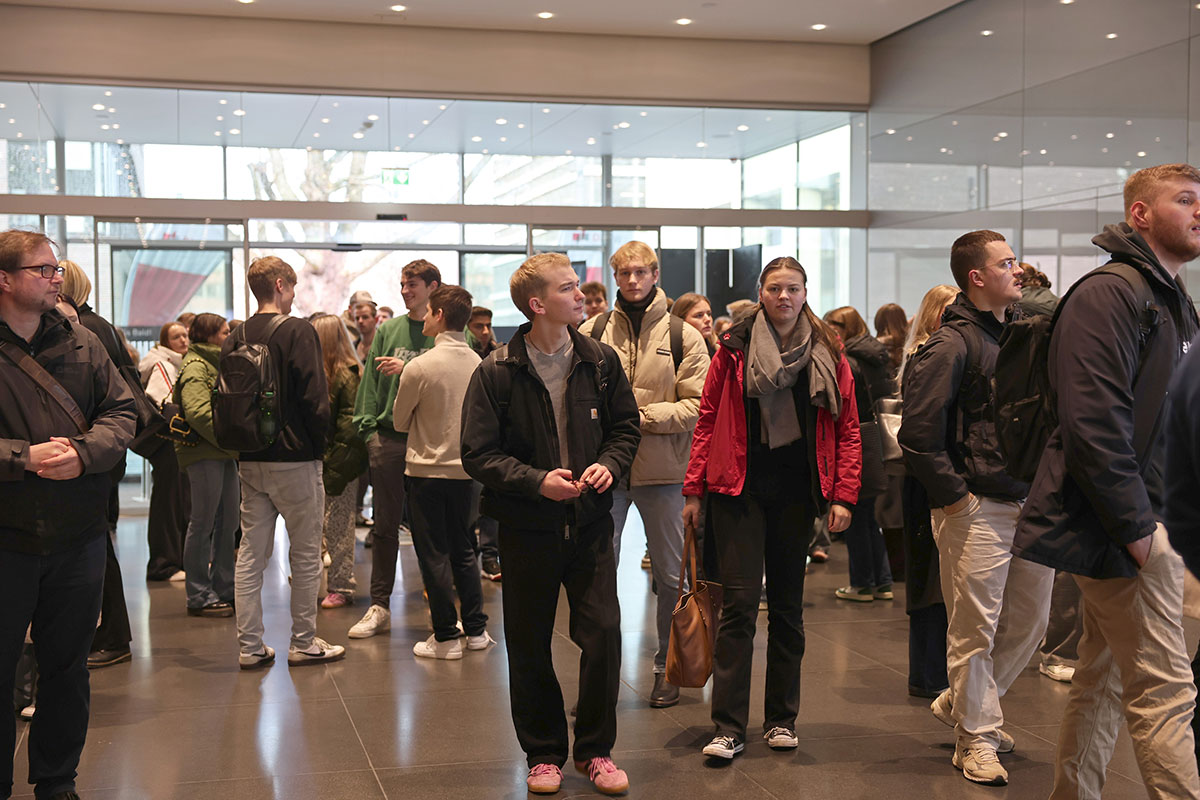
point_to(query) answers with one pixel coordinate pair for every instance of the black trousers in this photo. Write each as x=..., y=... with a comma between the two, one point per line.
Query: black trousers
x=927, y=649
x=113, y=633
x=166, y=526
x=751, y=532
x=536, y=564
x=60, y=595
x=441, y=532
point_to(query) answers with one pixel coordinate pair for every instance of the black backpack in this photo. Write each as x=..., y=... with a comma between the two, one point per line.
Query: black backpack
x=1022, y=397
x=247, y=403
x=675, y=334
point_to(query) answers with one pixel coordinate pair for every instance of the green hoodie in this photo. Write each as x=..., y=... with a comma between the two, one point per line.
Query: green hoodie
x=400, y=338
x=193, y=390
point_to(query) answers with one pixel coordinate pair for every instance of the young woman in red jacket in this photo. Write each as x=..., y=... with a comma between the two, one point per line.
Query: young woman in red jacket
x=777, y=443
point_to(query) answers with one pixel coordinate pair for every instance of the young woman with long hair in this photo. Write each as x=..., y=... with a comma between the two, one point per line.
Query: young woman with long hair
x=345, y=458
x=776, y=444
x=891, y=329
x=695, y=310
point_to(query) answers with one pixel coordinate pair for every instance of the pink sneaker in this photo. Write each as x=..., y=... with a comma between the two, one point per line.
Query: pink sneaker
x=604, y=775
x=335, y=600
x=544, y=779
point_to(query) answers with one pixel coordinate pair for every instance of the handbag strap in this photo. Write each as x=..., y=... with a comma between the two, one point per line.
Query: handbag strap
x=689, y=559
x=47, y=382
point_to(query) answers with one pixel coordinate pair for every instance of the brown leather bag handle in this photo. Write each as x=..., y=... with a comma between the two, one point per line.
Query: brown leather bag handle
x=47, y=382
x=689, y=559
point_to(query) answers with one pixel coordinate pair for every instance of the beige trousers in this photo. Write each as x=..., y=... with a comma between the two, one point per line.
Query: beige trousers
x=998, y=607
x=1133, y=664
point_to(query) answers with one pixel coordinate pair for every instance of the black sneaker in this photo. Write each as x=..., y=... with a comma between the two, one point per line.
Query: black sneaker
x=491, y=569
x=723, y=747
x=106, y=658
x=211, y=610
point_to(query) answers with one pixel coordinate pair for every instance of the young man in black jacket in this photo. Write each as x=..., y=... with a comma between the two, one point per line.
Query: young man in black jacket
x=549, y=425
x=54, y=488
x=997, y=605
x=1095, y=506
x=285, y=478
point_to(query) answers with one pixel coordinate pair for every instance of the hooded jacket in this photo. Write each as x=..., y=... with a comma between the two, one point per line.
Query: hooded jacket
x=159, y=383
x=1091, y=497
x=871, y=363
x=719, y=444
x=510, y=439
x=668, y=399
x=43, y=516
x=1038, y=300
x=193, y=391
x=948, y=433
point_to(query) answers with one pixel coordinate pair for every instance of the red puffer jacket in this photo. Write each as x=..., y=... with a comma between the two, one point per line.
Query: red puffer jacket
x=718, y=460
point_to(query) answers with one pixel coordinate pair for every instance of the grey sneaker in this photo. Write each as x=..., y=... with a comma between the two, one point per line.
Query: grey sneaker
x=319, y=652
x=257, y=660
x=781, y=738
x=377, y=620
x=980, y=764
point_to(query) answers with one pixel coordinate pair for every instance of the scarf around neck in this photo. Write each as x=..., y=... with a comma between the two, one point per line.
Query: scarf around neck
x=772, y=371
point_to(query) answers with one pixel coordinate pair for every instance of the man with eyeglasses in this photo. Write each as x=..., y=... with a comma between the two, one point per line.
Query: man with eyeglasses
x=666, y=362
x=66, y=417
x=997, y=605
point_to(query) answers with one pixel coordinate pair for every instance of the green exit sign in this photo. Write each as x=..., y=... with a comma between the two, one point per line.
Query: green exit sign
x=395, y=176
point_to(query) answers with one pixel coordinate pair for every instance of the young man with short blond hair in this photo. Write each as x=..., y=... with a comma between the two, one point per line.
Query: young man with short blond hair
x=549, y=424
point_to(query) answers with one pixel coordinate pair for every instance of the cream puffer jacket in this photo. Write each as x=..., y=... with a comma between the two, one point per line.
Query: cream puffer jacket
x=669, y=402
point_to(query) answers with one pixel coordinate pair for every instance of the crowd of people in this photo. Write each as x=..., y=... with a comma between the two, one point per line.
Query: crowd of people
x=760, y=433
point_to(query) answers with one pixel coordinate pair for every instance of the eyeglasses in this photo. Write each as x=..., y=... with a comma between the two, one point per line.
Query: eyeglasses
x=47, y=270
x=1007, y=265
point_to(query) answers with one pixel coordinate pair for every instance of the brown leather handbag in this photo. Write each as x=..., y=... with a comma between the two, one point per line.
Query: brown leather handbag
x=693, y=623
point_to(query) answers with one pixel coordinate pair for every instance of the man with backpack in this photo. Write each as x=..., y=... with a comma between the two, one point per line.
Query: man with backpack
x=666, y=362
x=997, y=605
x=271, y=404
x=1095, y=508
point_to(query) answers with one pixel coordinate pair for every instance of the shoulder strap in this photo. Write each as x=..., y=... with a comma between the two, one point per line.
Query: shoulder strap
x=272, y=326
x=676, y=333
x=45, y=380
x=600, y=324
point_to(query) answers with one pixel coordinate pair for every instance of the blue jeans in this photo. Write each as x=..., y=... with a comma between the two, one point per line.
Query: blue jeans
x=208, y=546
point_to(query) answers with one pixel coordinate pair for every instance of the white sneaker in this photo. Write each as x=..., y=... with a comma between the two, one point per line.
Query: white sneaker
x=941, y=708
x=377, y=620
x=980, y=764
x=1057, y=672
x=432, y=648
x=319, y=652
x=327, y=560
x=481, y=642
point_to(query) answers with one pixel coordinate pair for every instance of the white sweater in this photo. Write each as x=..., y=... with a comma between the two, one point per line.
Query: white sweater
x=429, y=405
x=158, y=383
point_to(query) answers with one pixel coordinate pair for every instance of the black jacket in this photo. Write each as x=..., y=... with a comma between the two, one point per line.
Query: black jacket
x=296, y=352
x=510, y=441
x=1090, y=496
x=1182, y=507
x=871, y=364
x=948, y=434
x=45, y=516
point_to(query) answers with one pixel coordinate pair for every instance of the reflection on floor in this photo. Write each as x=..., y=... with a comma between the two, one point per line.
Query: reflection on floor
x=181, y=721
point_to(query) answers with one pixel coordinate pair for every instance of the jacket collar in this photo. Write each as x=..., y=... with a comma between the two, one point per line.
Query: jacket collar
x=518, y=352
x=53, y=329
x=657, y=308
x=206, y=351
x=963, y=309
x=737, y=336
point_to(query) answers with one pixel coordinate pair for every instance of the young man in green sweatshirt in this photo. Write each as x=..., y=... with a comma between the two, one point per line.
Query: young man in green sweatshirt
x=397, y=341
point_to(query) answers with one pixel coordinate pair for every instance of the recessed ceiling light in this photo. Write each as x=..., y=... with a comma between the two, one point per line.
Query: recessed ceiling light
x=220, y=118
x=501, y=121
x=424, y=122
x=442, y=107
x=953, y=122
x=239, y=113
x=246, y=2
x=112, y=110
x=545, y=111
x=941, y=149
x=1109, y=135
x=890, y=131
x=1074, y=136
x=1103, y=149
x=1128, y=122
x=485, y=151
x=325, y=120
x=12, y=121
x=108, y=93
x=643, y=113
x=820, y=26
x=216, y=133
x=701, y=144
x=115, y=126
x=1042, y=151
x=1141, y=153
x=98, y=107
x=397, y=147
x=412, y=136
x=986, y=33
x=622, y=124
x=399, y=8
x=683, y=21
x=316, y=136
x=358, y=134
x=520, y=124
x=1003, y=134
x=104, y=127
x=373, y=117
x=591, y=140
x=476, y=138
x=120, y=141
x=235, y=131
x=743, y=128
x=504, y=138
x=1110, y=36
x=19, y=134
x=223, y=102
x=568, y=152
x=545, y=15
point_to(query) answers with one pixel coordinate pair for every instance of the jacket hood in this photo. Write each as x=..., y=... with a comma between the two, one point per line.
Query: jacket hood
x=867, y=349
x=1126, y=245
x=209, y=352
x=963, y=309
x=160, y=353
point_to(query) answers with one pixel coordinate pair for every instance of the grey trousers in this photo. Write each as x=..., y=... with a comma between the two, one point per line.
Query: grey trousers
x=339, y=540
x=294, y=491
x=1061, y=645
x=661, y=509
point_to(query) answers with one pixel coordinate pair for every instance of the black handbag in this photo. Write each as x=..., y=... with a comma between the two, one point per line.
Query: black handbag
x=874, y=481
x=177, y=428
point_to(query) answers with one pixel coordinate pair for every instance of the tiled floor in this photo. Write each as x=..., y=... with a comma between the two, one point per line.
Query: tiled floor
x=181, y=720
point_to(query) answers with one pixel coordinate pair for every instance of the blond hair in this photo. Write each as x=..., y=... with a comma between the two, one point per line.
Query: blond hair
x=927, y=320
x=529, y=281
x=1145, y=184
x=335, y=344
x=634, y=251
x=77, y=286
